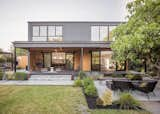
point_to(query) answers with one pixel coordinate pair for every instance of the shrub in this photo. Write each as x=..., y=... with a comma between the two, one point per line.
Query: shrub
x=99, y=101
x=107, y=97
x=134, y=77
x=10, y=75
x=117, y=75
x=20, y=76
x=126, y=101
x=82, y=75
x=78, y=83
x=87, y=81
x=96, y=77
x=91, y=90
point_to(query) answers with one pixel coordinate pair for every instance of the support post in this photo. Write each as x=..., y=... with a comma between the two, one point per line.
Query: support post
x=15, y=59
x=12, y=67
x=81, y=60
x=28, y=60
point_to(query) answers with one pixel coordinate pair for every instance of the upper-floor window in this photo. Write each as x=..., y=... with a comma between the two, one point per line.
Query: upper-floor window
x=47, y=33
x=102, y=33
x=55, y=33
x=111, y=28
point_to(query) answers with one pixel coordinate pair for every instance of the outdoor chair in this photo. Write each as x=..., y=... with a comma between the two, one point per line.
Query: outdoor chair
x=146, y=86
x=122, y=85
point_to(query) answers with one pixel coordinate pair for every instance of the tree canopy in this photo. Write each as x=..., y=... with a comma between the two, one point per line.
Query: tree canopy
x=138, y=39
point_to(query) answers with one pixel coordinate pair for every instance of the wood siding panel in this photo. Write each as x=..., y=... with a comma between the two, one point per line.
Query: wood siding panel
x=35, y=57
x=86, y=60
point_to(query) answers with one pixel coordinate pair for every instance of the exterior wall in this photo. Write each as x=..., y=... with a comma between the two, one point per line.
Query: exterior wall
x=22, y=61
x=77, y=60
x=86, y=60
x=72, y=31
x=35, y=57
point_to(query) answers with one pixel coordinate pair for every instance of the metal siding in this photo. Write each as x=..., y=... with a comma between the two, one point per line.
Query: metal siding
x=72, y=31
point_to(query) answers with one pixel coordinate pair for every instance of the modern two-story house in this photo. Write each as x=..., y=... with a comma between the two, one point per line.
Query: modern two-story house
x=69, y=46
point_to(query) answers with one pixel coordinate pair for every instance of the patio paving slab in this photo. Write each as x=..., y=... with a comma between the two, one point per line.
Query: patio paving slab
x=152, y=106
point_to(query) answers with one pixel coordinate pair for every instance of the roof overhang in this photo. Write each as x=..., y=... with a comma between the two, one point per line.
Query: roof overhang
x=35, y=44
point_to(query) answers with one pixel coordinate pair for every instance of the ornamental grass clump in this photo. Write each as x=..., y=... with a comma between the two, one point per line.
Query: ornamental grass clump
x=126, y=101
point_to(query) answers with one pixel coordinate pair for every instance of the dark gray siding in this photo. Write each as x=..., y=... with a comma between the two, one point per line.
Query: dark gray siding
x=72, y=31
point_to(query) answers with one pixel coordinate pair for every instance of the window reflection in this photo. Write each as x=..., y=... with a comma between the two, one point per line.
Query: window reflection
x=111, y=28
x=102, y=33
x=47, y=33
x=107, y=64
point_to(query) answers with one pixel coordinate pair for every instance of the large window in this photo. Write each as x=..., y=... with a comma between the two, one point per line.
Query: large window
x=55, y=33
x=47, y=33
x=99, y=33
x=58, y=58
x=102, y=33
x=95, y=61
x=107, y=63
x=102, y=61
x=39, y=33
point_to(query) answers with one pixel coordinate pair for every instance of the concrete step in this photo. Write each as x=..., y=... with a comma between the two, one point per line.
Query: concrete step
x=50, y=77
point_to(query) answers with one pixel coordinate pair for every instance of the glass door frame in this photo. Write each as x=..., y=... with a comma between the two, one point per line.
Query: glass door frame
x=72, y=59
x=43, y=53
x=99, y=67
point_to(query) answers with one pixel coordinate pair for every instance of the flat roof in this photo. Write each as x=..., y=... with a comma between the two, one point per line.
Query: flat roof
x=40, y=44
x=76, y=21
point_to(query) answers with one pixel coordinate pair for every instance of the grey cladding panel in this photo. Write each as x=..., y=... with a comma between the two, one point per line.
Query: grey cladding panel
x=72, y=31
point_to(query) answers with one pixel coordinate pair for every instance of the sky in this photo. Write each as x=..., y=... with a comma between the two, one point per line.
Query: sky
x=14, y=14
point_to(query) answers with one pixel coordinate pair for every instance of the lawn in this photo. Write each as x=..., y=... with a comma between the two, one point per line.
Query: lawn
x=47, y=100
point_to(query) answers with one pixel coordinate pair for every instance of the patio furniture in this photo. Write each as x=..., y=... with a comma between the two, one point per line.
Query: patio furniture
x=122, y=85
x=146, y=86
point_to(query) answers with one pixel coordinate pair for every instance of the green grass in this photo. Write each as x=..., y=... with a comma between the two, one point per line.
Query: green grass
x=47, y=100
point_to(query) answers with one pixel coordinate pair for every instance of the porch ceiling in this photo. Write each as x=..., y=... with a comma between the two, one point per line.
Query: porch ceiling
x=66, y=49
x=66, y=44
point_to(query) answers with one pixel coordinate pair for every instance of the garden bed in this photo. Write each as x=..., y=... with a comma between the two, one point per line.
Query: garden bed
x=91, y=102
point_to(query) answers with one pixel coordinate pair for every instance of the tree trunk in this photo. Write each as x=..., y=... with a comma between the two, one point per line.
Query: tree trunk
x=126, y=65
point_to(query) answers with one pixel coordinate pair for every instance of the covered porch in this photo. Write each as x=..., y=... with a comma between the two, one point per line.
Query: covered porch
x=71, y=57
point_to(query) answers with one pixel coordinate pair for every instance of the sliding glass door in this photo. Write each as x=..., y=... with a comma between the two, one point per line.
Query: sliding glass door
x=107, y=64
x=95, y=61
x=102, y=61
x=69, y=61
x=47, y=60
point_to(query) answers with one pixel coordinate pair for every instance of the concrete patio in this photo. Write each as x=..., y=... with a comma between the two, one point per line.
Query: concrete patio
x=42, y=80
x=101, y=87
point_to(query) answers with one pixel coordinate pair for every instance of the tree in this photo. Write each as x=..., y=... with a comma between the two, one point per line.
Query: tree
x=19, y=51
x=138, y=40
